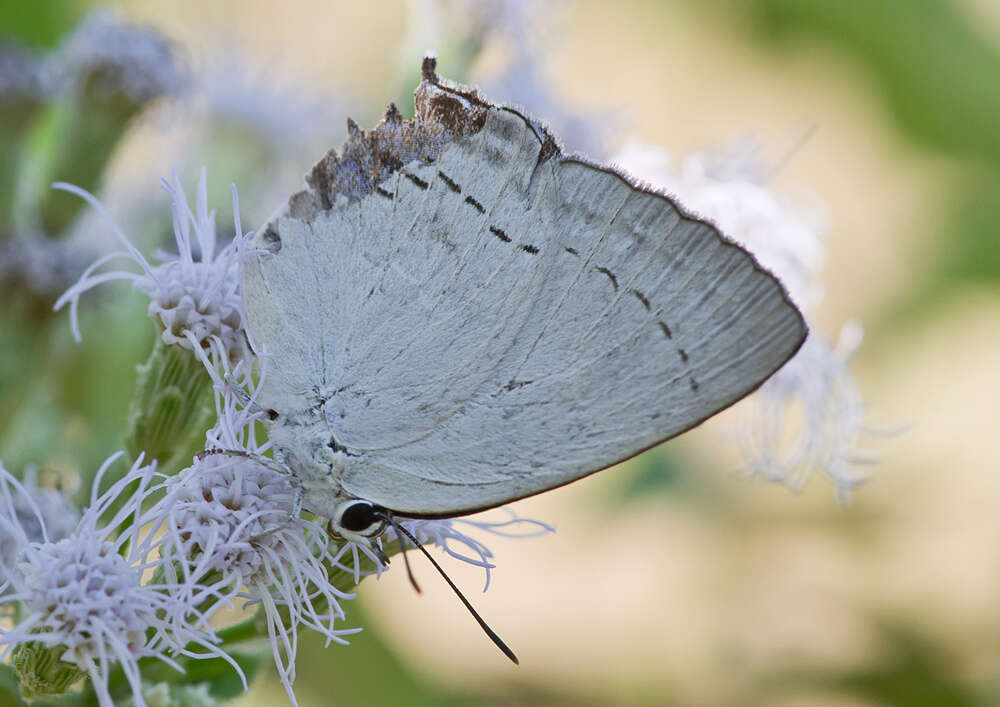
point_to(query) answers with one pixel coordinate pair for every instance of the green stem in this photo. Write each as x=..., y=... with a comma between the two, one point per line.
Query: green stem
x=81, y=134
x=238, y=633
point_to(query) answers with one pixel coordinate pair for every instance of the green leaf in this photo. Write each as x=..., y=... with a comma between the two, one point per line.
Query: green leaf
x=915, y=674
x=10, y=688
x=965, y=253
x=40, y=23
x=658, y=471
x=936, y=72
x=219, y=674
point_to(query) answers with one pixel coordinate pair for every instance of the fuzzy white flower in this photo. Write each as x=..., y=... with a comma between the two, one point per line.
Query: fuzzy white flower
x=446, y=533
x=808, y=416
x=29, y=514
x=232, y=520
x=196, y=292
x=85, y=595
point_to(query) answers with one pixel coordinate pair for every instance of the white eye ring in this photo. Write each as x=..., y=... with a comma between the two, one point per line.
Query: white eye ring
x=358, y=519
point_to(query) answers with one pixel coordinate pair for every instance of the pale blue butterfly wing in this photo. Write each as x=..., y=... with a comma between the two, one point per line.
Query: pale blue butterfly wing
x=503, y=320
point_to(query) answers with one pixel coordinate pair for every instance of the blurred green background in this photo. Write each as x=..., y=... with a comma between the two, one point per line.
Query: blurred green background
x=670, y=580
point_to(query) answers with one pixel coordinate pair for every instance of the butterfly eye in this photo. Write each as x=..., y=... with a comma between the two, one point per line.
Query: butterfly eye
x=359, y=516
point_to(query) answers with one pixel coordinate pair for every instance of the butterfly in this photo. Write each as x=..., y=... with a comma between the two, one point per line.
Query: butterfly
x=460, y=314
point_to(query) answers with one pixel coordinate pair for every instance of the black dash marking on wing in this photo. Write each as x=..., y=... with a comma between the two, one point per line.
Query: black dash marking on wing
x=572, y=251
x=666, y=329
x=684, y=356
x=694, y=384
x=383, y=192
x=642, y=298
x=272, y=414
x=611, y=276
x=416, y=180
x=499, y=234
x=451, y=184
x=479, y=207
x=511, y=385
x=528, y=248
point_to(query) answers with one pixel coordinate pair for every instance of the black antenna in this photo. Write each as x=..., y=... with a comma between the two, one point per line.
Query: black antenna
x=401, y=531
x=402, y=547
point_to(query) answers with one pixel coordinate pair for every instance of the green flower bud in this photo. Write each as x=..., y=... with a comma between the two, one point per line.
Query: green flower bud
x=42, y=671
x=172, y=407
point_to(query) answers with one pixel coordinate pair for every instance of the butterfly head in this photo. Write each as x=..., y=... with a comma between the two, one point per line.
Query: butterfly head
x=358, y=521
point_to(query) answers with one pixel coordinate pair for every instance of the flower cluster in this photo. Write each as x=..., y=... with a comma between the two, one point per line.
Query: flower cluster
x=146, y=570
x=193, y=292
x=36, y=515
x=232, y=521
x=84, y=602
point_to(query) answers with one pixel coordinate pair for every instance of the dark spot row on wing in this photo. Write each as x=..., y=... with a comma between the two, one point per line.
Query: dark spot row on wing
x=500, y=234
x=533, y=250
x=416, y=180
x=611, y=276
x=457, y=189
x=645, y=303
x=383, y=192
x=450, y=182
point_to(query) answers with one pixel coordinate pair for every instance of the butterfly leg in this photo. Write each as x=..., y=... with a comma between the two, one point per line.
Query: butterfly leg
x=242, y=396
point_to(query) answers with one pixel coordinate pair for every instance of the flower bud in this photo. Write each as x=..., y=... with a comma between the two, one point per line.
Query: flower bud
x=171, y=409
x=41, y=670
